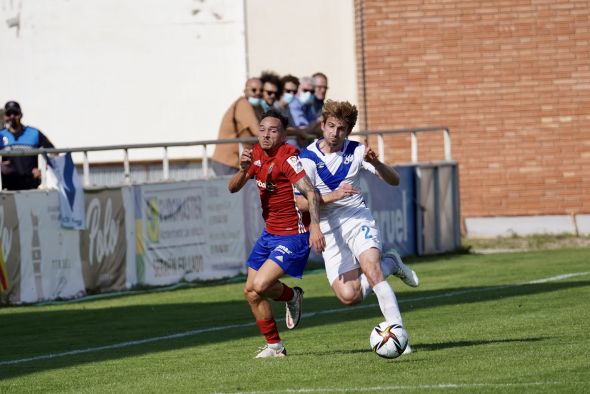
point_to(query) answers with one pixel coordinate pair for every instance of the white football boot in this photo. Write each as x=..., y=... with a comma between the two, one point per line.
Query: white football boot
x=272, y=350
x=393, y=261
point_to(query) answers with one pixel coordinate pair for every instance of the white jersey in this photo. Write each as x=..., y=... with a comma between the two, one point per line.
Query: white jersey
x=328, y=170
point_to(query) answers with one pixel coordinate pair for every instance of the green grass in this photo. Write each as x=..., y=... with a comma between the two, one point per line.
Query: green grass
x=476, y=323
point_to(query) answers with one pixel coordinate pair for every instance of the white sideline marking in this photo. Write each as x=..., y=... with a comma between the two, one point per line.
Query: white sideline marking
x=407, y=387
x=242, y=325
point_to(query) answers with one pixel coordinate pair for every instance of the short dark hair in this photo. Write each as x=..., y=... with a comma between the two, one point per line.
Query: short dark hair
x=273, y=113
x=320, y=74
x=290, y=78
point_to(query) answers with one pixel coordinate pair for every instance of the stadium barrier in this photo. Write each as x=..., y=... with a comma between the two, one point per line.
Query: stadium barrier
x=163, y=233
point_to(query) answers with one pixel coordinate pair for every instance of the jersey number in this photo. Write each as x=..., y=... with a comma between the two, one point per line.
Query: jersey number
x=366, y=229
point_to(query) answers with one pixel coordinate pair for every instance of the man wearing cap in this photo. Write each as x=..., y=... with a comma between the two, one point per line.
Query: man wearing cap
x=20, y=172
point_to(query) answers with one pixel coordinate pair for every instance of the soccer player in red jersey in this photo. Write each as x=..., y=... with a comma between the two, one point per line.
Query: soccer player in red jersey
x=284, y=245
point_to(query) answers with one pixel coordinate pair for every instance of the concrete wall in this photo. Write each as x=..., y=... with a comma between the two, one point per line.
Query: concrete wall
x=303, y=37
x=105, y=72
x=510, y=78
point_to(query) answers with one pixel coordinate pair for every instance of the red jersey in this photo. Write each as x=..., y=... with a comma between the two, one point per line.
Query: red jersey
x=275, y=177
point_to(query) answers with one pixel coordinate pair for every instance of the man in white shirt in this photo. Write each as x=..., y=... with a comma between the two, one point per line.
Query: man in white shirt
x=352, y=256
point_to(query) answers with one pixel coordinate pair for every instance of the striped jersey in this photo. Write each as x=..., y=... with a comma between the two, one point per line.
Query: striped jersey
x=275, y=177
x=328, y=170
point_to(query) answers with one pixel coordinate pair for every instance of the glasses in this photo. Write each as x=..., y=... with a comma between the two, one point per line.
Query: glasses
x=270, y=92
x=253, y=90
x=292, y=91
x=321, y=87
x=12, y=113
x=307, y=90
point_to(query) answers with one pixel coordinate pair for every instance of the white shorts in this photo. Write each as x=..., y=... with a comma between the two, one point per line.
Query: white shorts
x=345, y=244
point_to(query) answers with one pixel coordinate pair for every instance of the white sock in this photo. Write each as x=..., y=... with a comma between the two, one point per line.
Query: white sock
x=388, y=302
x=365, y=286
x=275, y=346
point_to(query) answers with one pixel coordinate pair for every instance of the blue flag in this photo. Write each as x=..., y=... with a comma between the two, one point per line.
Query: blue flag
x=71, y=194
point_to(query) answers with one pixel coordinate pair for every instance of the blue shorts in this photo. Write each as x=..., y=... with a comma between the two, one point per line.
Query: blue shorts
x=290, y=252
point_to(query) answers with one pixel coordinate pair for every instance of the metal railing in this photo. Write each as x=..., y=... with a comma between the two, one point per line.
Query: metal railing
x=204, y=143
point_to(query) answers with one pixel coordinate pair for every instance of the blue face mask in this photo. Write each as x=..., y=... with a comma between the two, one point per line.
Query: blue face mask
x=264, y=105
x=255, y=101
x=305, y=97
x=288, y=97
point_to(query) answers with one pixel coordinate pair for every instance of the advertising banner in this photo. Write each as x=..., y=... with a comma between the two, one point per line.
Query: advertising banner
x=394, y=209
x=50, y=264
x=9, y=251
x=103, y=245
x=188, y=230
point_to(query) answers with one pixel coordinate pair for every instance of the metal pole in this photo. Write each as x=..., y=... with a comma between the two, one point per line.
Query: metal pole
x=414, y=146
x=447, y=142
x=205, y=162
x=126, y=169
x=86, y=167
x=0, y=176
x=43, y=169
x=166, y=165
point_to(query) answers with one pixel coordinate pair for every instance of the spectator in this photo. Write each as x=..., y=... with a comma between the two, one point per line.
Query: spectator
x=301, y=107
x=289, y=87
x=271, y=89
x=240, y=120
x=320, y=88
x=20, y=172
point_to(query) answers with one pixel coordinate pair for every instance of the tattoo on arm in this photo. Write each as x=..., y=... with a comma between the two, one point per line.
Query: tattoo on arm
x=306, y=188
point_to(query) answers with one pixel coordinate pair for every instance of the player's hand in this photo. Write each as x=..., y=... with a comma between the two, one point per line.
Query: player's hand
x=316, y=238
x=246, y=159
x=36, y=173
x=345, y=190
x=370, y=155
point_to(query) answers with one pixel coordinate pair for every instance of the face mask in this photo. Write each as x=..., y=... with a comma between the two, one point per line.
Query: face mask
x=265, y=106
x=305, y=97
x=255, y=101
x=288, y=97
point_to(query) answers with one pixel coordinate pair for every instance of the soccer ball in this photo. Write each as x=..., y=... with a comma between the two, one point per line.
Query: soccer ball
x=388, y=340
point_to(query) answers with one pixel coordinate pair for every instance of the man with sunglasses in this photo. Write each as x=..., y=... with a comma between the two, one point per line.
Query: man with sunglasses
x=271, y=89
x=284, y=245
x=20, y=172
x=239, y=121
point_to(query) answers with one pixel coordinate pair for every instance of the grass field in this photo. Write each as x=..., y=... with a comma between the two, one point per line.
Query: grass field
x=515, y=323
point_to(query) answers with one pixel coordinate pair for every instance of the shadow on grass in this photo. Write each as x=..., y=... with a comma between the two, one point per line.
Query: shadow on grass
x=449, y=345
x=175, y=326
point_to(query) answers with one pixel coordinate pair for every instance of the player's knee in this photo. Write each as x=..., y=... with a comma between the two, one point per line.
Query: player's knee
x=251, y=295
x=259, y=287
x=350, y=296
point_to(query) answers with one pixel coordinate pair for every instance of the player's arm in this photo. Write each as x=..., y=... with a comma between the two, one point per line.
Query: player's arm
x=383, y=171
x=237, y=182
x=343, y=191
x=316, y=238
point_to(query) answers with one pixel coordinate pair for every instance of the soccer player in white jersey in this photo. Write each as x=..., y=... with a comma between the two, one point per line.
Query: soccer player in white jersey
x=353, y=248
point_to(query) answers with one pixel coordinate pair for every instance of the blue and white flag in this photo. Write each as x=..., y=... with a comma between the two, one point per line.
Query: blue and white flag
x=71, y=194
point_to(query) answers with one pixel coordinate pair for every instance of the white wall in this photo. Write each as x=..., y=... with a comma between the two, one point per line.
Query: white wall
x=302, y=37
x=108, y=72
x=105, y=72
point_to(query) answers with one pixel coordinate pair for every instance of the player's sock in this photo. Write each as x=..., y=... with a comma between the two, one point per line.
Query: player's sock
x=268, y=328
x=365, y=286
x=388, y=302
x=287, y=294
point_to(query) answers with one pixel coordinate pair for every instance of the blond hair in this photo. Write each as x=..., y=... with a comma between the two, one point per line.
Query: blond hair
x=341, y=110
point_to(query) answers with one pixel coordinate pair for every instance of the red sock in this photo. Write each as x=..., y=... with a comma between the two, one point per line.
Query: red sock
x=286, y=295
x=268, y=328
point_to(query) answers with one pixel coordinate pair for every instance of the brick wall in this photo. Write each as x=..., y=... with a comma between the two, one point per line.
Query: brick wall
x=510, y=78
